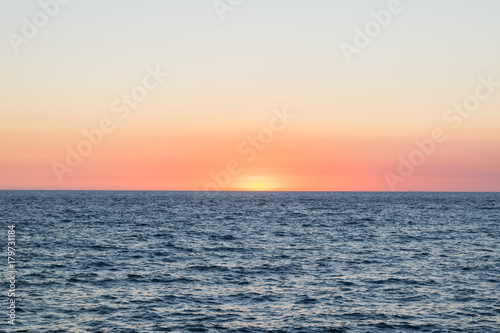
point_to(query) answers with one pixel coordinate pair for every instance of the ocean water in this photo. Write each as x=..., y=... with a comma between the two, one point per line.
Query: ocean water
x=253, y=262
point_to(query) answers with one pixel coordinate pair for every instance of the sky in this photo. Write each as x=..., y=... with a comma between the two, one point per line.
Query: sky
x=296, y=95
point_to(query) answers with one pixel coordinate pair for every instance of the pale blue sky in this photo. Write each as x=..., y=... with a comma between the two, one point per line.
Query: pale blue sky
x=264, y=53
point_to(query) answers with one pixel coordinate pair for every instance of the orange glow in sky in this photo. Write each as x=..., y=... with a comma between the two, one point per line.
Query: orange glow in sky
x=182, y=100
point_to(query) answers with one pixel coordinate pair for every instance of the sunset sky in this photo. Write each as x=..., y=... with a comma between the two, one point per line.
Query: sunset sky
x=258, y=96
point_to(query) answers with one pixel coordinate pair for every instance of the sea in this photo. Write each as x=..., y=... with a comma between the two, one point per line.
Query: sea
x=133, y=261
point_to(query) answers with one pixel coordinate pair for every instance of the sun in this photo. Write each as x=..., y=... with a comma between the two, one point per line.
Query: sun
x=257, y=184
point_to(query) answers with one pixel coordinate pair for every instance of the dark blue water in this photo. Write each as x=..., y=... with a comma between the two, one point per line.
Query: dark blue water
x=254, y=262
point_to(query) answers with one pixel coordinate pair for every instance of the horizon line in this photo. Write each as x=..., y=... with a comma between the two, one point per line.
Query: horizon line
x=247, y=191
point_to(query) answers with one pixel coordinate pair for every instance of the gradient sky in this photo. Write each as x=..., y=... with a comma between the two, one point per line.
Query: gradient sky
x=227, y=77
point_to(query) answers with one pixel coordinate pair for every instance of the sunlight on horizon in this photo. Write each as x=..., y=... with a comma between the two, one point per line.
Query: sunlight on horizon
x=258, y=183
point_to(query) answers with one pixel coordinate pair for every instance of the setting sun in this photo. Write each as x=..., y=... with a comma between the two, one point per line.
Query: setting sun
x=257, y=184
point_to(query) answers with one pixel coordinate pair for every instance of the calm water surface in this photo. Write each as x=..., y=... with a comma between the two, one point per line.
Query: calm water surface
x=254, y=262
